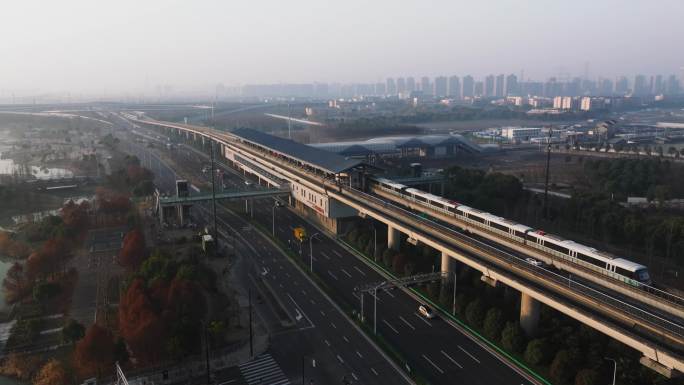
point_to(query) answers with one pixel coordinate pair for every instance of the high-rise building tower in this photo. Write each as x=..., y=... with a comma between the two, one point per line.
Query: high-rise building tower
x=391, y=88
x=489, y=86
x=426, y=86
x=499, y=89
x=410, y=84
x=640, y=86
x=401, y=85
x=455, y=87
x=468, y=86
x=659, y=87
x=441, y=86
x=672, y=85
x=479, y=89
x=605, y=87
x=621, y=85
x=512, y=85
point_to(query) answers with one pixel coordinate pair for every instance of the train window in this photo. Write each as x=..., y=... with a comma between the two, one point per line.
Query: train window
x=476, y=219
x=437, y=204
x=498, y=226
x=519, y=234
x=418, y=197
x=624, y=272
x=557, y=248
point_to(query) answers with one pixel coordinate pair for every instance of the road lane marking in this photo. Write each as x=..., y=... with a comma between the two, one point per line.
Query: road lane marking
x=433, y=364
x=345, y=339
x=355, y=378
x=451, y=359
x=303, y=292
x=325, y=255
x=300, y=309
x=359, y=354
x=374, y=372
x=390, y=326
x=422, y=319
x=333, y=325
x=336, y=253
x=407, y=323
x=345, y=272
x=322, y=313
x=360, y=271
x=388, y=293
x=470, y=355
x=332, y=275
x=327, y=342
x=340, y=359
x=312, y=301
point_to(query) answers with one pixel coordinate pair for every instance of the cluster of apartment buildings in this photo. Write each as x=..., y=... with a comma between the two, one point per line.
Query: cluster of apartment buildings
x=467, y=87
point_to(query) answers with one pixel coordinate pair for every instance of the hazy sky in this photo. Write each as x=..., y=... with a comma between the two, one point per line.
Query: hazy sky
x=132, y=45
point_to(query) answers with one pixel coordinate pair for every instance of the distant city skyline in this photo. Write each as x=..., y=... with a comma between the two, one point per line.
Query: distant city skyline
x=130, y=47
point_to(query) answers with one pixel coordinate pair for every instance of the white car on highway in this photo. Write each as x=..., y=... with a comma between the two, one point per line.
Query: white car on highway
x=426, y=312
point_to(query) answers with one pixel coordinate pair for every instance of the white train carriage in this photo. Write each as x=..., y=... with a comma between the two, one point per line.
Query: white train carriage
x=605, y=263
x=390, y=186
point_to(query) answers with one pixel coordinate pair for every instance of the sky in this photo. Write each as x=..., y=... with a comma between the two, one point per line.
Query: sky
x=120, y=46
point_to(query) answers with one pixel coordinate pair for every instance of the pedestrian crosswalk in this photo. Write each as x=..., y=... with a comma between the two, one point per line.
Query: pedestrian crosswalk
x=263, y=370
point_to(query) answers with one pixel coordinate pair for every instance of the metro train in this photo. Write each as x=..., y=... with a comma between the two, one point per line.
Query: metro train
x=600, y=261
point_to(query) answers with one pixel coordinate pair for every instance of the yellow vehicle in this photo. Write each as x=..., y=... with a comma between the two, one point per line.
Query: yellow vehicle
x=300, y=234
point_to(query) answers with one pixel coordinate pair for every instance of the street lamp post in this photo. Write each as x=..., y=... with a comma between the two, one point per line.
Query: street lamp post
x=614, y=368
x=273, y=219
x=311, y=251
x=375, y=244
x=453, y=309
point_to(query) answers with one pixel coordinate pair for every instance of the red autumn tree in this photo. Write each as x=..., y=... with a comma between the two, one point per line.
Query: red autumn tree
x=140, y=321
x=75, y=216
x=12, y=248
x=110, y=201
x=49, y=259
x=133, y=251
x=15, y=285
x=95, y=352
x=52, y=373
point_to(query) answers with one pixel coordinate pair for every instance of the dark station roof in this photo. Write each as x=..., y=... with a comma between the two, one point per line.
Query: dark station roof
x=312, y=156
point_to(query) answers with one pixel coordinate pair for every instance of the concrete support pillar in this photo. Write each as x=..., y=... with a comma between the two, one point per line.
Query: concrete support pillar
x=393, y=238
x=181, y=215
x=529, y=314
x=448, y=265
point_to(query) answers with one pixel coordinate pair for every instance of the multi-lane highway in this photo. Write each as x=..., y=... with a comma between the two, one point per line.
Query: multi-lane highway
x=436, y=349
x=321, y=332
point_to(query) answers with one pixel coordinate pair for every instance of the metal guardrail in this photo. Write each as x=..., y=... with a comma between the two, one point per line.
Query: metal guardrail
x=604, y=298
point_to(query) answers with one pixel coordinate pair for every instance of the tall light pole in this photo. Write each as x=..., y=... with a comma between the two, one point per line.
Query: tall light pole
x=275, y=206
x=614, y=368
x=375, y=244
x=311, y=251
x=453, y=309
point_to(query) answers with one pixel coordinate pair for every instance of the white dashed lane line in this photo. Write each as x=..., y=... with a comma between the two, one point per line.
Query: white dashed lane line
x=469, y=355
x=451, y=359
x=433, y=364
x=407, y=323
x=390, y=326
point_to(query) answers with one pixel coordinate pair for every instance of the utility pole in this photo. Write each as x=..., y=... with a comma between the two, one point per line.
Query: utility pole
x=206, y=351
x=213, y=193
x=289, y=122
x=251, y=332
x=454, y=304
x=548, y=166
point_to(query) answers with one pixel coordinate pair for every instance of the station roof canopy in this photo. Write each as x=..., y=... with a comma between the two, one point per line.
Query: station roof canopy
x=312, y=156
